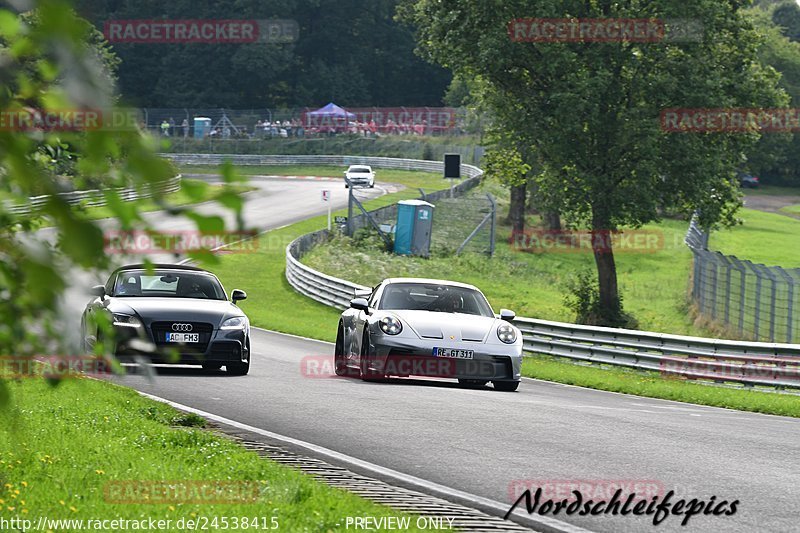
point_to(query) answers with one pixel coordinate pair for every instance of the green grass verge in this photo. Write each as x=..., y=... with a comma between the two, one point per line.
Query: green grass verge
x=791, y=209
x=60, y=447
x=768, y=238
x=653, y=385
x=773, y=190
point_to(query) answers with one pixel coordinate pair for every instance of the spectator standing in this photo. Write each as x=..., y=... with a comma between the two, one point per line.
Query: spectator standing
x=185, y=126
x=165, y=128
x=171, y=127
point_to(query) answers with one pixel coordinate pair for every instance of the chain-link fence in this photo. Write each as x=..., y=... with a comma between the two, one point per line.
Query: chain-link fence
x=266, y=132
x=464, y=220
x=756, y=300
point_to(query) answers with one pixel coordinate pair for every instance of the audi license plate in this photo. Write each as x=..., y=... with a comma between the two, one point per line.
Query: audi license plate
x=183, y=337
x=453, y=353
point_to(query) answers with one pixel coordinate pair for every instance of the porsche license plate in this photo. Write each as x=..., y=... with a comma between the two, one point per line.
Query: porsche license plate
x=453, y=353
x=183, y=337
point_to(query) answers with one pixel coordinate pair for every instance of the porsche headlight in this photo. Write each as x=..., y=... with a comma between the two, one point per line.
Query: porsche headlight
x=126, y=321
x=390, y=325
x=237, y=322
x=507, y=334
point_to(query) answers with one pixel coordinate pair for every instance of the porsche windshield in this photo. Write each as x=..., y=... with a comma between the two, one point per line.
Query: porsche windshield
x=168, y=283
x=432, y=297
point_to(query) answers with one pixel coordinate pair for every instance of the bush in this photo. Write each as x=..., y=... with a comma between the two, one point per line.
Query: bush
x=583, y=298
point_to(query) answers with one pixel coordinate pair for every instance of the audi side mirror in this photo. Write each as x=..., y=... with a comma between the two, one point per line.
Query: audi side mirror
x=507, y=315
x=98, y=290
x=237, y=295
x=360, y=303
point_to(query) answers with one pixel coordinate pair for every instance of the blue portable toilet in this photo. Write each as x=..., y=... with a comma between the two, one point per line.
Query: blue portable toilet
x=202, y=126
x=412, y=234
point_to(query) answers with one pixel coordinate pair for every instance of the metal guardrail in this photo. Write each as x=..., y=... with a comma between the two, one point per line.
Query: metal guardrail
x=468, y=171
x=747, y=363
x=329, y=290
x=94, y=198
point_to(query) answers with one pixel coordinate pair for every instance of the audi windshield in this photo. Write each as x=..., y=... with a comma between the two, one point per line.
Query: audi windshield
x=168, y=283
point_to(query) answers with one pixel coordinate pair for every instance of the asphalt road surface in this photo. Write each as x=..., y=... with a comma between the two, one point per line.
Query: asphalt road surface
x=490, y=443
x=487, y=443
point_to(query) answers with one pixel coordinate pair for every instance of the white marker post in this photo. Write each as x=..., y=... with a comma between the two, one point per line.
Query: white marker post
x=326, y=197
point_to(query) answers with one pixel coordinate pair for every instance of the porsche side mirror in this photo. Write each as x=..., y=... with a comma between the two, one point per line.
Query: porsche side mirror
x=237, y=295
x=507, y=315
x=98, y=290
x=360, y=303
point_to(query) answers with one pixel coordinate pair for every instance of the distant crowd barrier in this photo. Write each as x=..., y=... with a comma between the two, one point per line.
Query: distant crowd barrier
x=95, y=198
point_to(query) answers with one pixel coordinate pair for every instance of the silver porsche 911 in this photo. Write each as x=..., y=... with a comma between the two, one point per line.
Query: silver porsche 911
x=433, y=328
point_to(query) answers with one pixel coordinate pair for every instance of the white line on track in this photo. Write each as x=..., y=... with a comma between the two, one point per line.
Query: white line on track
x=541, y=523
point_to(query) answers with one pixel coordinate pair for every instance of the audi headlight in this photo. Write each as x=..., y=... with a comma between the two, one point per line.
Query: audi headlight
x=507, y=334
x=390, y=325
x=126, y=321
x=237, y=322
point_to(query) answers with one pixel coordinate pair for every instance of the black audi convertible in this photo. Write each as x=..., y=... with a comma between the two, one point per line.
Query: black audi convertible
x=170, y=314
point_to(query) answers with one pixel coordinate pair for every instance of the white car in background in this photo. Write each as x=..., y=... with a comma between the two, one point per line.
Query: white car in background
x=359, y=175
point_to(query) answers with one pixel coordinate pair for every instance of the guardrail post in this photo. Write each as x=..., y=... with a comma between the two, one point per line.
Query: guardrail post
x=742, y=295
x=757, y=317
x=729, y=268
x=714, y=264
x=789, y=281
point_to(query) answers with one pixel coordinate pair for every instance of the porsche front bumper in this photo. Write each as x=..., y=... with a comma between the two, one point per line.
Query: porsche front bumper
x=402, y=356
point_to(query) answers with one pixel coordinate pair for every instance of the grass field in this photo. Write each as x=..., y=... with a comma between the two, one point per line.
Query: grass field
x=91, y=450
x=768, y=238
x=791, y=210
x=773, y=190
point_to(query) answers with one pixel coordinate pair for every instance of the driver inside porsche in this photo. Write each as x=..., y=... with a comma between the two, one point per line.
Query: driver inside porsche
x=449, y=302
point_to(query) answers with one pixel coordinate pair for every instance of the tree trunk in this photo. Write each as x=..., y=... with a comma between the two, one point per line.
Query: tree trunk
x=516, y=211
x=610, y=308
x=552, y=220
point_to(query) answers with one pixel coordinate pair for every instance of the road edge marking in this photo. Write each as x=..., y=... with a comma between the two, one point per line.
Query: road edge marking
x=542, y=523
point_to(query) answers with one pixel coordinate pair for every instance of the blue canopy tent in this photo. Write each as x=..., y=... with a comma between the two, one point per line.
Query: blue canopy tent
x=329, y=118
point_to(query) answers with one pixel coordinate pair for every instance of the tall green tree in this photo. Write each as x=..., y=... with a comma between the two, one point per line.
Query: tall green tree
x=52, y=61
x=349, y=51
x=592, y=109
